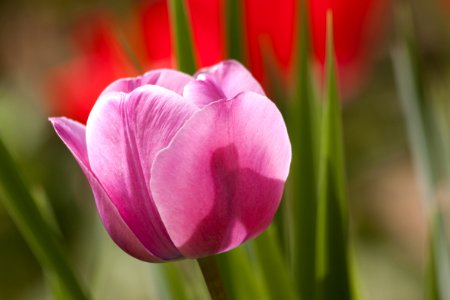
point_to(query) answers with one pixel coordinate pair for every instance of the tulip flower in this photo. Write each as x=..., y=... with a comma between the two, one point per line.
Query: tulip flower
x=181, y=166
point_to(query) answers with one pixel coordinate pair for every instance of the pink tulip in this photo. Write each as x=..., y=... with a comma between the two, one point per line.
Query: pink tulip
x=181, y=166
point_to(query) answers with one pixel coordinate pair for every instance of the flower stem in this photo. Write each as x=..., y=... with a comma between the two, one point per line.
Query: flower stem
x=211, y=273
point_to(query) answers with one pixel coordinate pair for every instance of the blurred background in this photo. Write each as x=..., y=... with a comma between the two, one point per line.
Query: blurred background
x=57, y=56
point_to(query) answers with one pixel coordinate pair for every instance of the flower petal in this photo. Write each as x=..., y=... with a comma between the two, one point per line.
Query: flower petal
x=220, y=180
x=222, y=81
x=73, y=135
x=123, y=134
x=169, y=79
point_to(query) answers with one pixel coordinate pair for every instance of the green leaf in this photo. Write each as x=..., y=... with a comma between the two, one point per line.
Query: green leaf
x=277, y=91
x=174, y=281
x=334, y=269
x=234, y=25
x=40, y=237
x=274, y=268
x=241, y=280
x=302, y=196
x=428, y=149
x=182, y=37
x=410, y=99
x=438, y=273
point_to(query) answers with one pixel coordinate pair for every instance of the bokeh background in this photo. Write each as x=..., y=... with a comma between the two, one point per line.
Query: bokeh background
x=56, y=56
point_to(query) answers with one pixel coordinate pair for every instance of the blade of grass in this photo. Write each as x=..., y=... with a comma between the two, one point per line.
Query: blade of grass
x=428, y=152
x=274, y=268
x=182, y=37
x=277, y=91
x=334, y=270
x=438, y=272
x=302, y=184
x=40, y=237
x=174, y=281
x=241, y=280
x=234, y=25
x=417, y=135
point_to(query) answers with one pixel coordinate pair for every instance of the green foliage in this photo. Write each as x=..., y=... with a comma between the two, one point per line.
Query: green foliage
x=37, y=232
x=334, y=276
x=302, y=186
x=182, y=36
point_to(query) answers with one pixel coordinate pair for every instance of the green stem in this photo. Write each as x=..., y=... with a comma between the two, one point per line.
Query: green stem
x=23, y=209
x=211, y=273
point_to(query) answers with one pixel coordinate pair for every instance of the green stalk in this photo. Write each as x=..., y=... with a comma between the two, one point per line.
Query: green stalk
x=40, y=237
x=211, y=273
x=182, y=37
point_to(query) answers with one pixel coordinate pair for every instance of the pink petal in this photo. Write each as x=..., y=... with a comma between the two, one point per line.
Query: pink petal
x=169, y=79
x=73, y=135
x=123, y=134
x=220, y=180
x=222, y=81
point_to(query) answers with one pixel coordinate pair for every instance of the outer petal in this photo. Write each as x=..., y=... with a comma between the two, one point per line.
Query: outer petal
x=123, y=134
x=73, y=135
x=220, y=180
x=169, y=79
x=222, y=81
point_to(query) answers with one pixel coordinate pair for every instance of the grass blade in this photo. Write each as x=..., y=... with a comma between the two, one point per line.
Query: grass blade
x=241, y=280
x=438, y=273
x=409, y=97
x=40, y=237
x=302, y=120
x=334, y=276
x=182, y=37
x=428, y=150
x=174, y=281
x=274, y=268
x=234, y=25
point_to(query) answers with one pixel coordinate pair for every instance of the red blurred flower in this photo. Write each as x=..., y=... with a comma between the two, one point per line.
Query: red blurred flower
x=267, y=24
x=98, y=60
x=357, y=25
x=270, y=30
x=207, y=27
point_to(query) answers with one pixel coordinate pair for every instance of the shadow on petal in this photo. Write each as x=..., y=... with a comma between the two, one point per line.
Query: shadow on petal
x=244, y=205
